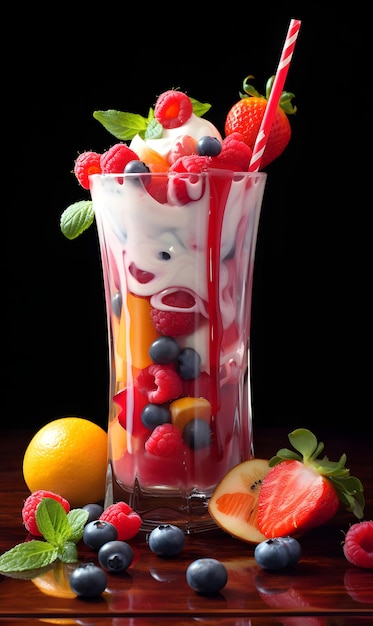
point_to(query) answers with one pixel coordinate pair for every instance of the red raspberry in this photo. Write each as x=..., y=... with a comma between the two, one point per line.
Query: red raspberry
x=173, y=109
x=173, y=324
x=185, y=145
x=235, y=154
x=159, y=383
x=193, y=164
x=87, y=163
x=116, y=158
x=358, y=544
x=126, y=521
x=176, y=323
x=30, y=505
x=165, y=440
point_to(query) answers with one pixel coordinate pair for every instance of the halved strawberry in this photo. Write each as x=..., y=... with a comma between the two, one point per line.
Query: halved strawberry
x=246, y=115
x=302, y=491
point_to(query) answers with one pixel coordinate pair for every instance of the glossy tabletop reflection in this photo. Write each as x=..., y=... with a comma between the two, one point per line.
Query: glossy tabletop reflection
x=322, y=590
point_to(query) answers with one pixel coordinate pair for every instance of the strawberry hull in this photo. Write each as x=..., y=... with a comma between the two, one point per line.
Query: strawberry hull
x=177, y=277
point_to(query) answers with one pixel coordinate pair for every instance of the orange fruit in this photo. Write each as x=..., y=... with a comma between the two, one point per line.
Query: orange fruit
x=55, y=582
x=69, y=457
x=185, y=409
x=139, y=316
x=234, y=503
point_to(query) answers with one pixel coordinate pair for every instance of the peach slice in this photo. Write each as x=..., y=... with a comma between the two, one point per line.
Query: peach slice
x=155, y=161
x=234, y=503
x=139, y=317
x=183, y=410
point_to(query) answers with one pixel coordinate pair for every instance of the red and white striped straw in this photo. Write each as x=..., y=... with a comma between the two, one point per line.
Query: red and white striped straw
x=274, y=97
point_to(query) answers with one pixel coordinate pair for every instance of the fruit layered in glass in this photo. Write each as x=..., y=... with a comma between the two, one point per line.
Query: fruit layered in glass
x=178, y=252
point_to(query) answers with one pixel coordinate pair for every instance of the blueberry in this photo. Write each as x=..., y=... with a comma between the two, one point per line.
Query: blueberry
x=277, y=553
x=94, y=511
x=88, y=580
x=154, y=414
x=294, y=549
x=166, y=540
x=197, y=434
x=209, y=146
x=98, y=532
x=137, y=167
x=115, y=556
x=164, y=350
x=206, y=575
x=188, y=364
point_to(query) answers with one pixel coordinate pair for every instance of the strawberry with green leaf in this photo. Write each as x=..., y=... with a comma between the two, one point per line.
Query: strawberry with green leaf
x=246, y=115
x=302, y=491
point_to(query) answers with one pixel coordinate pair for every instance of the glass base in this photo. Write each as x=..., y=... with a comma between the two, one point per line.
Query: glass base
x=188, y=511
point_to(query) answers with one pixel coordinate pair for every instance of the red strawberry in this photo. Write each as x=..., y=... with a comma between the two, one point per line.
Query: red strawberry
x=246, y=116
x=302, y=491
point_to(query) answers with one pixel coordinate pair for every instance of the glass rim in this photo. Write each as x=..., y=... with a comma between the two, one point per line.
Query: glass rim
x=211, y=172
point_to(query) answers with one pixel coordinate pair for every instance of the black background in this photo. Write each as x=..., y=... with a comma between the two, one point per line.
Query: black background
x=312, y=282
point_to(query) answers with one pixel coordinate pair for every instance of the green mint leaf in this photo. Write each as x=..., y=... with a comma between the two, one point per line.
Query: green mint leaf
x=154, y=130
x=200, y=108
x=52, y=522
x=77, y=519
x=29, y=574
x=77, y=218
x=26, y=556
x=68, y=553
x=124, y=126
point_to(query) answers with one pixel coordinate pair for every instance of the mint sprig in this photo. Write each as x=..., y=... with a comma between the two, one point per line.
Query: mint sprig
x=61, y=532
x=124, y=126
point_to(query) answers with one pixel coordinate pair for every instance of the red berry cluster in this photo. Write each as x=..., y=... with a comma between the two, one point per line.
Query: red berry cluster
x=126, y=521
x=113, y=161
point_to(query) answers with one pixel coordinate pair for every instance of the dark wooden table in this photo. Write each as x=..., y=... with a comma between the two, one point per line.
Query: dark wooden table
x=323, y=589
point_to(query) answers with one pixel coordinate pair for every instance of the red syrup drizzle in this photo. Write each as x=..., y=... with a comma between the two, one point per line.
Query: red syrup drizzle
x=219, y=190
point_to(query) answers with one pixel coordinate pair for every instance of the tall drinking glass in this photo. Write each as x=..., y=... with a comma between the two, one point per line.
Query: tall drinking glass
x=177, y=253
